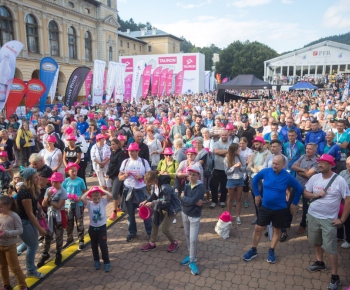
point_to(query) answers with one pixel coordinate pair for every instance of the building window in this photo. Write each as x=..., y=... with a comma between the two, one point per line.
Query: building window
x=88, y=46
x=127, y=45
x=32, y=34
x=110, y=54
x=87, y=11
x=140, y=48
x=109, y=3
x=121, y=43
x=173, y=48
x=53, y=38
x=70, y=4
x=72, y=43
x=134, y=46
x=6, y=26
x=149, y=48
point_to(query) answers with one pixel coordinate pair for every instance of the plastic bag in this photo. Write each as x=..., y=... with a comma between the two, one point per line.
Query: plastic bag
x=223, y=229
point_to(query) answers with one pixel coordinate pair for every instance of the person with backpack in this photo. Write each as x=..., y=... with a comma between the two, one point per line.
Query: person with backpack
x=132, y=172
x=165, y=205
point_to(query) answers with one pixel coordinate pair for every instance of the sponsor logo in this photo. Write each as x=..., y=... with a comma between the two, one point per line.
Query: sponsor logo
x=35, y=87
x=321, y=53
x=189, y=62
x=11, y=49
x=129, y=64
x=167, y=60
x=17, y=87
x=48, y=66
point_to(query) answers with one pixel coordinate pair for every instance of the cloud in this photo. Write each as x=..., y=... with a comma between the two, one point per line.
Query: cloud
x=337, y=16
x=191, y=6
x=287, y=2
x=281, y=36
x=249, y=3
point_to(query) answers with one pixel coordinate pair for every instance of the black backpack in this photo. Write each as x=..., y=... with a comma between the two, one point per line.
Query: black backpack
x=59, y=143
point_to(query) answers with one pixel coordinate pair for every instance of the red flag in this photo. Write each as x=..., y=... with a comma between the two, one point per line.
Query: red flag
x=35, y=89
x=17, y=92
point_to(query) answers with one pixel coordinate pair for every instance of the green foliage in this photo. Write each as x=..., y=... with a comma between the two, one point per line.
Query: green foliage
x=130, y=24
x=244, y=58
x=342, y=38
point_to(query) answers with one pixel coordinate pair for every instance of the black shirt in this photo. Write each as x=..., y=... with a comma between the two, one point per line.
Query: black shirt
x=249, y=133
x=71, y=155
x=24, y=193
x=144, y=151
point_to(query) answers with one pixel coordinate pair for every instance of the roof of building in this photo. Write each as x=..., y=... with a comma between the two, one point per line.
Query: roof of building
x=126, y=35
x=137, y=34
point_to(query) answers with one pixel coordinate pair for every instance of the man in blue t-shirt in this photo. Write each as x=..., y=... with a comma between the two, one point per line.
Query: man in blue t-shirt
x=82, y=125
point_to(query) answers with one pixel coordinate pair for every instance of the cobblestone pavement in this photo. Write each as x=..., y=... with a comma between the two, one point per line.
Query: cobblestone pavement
x=219, y=261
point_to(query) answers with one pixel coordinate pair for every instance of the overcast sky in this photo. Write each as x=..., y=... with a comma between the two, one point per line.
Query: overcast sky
x=281, y=24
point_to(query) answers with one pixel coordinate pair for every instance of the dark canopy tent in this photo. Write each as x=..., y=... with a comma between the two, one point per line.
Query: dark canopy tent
x=303, y=86
x=240, y=82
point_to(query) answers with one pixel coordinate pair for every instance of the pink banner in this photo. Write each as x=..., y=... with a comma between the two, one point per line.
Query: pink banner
x=155, y=80
x=189, y=62
x=224, y=80
x=169, y=82
x=179, y=79
x=88, y=82
x=128, y=85
x=146, y=78
x=162, y=81
x=104, y=82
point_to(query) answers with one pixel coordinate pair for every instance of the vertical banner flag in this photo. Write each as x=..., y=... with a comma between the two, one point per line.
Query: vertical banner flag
x=8, y=54
x=53, y=87
x=97, y=84
x=179, y=82
x=104, y=81
x=162, y=81
x=119, y=85
x=206, y=81
x=88, y=81
x=146, y=78
x=111, y=79
x=128, y=86
x=17, y=92
x=212, y=82
x=48, y=68
x=155, y=80
x=75, y=84
x=35, y=89
x=136, y=79
x=218, y=78
x=224, y=80
x=169, y=82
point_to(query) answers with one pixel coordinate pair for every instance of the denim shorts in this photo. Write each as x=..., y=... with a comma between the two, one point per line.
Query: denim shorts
x=233, y=183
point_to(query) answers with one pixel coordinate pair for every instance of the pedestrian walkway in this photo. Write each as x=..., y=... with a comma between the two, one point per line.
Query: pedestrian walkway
x=219, y=261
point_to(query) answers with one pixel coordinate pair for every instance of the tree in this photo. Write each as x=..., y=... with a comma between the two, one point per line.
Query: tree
x=244, y=58
x=186, y=46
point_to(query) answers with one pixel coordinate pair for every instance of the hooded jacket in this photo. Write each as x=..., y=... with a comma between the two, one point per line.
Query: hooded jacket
x=315, y=137
x=191, y=197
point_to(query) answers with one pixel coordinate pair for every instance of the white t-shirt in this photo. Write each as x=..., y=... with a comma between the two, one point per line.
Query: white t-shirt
x=246, y=153
x=135, y=167
x=328, y=206
x=97, y=212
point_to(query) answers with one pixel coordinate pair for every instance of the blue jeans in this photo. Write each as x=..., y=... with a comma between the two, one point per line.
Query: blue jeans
x=30, y=238
x=131, y=207
x=191, y=228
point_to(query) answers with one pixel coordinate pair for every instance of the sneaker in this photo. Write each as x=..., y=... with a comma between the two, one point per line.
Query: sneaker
x=148, y=247
x=194, y=268
x=186, y=261
x=81, y=246
x=283, y=237
x=107, y=267
x=174, y=221
x=97, y=265
x=43, y=259
x=222, y=204
x=212, y=205
x=300, y=230
x=129, y=238
x=317, y=266
x=7, y=287
x=58, y=259
x=251, y=254
x=334, y=284
x=36, y=275
x=67, y=244
x=234, y=203
x=238, y=220
x=271, y=258
x=113, y=216
x=254, y=221
x=345, y=245
x=94, y=175
x=246, y=204
x=173, y=247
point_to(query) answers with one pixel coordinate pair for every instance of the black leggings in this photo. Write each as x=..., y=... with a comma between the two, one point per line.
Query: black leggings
x=98, y=236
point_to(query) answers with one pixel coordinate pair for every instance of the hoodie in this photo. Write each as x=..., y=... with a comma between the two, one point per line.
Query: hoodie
x=315, y=137
x=191, y=197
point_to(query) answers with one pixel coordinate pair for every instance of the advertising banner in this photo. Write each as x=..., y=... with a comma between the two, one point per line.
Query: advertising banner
x=224, y=80
x=169, y=82
x=206, y=81
x=136, y=80
x=119, y=85
x=179, y=82
x=212, y=82
x=189, y=62
x=104, y=81
x=48, y=68
x=128, y=87
x=17, y=92
x=155, y=80
x=35, y=89
x=97, y=84
x=75, y=84
x=111, y=79
x=53, y=87
x=218, y=78
x=146, y=79
x=162, y=81
x=129, y=62
x=88, y=81
x=8, y=54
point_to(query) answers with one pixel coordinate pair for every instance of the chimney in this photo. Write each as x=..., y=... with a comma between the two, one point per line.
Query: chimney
x=128, y=31
x=142, y=31
x=154, y=30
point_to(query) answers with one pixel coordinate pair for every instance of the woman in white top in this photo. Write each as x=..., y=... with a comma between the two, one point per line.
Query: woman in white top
x=207, y=141
x=52, y=156
x=245, y=153
x=154, y=146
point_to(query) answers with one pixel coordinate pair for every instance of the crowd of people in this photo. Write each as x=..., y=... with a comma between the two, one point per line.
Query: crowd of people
x=168, y=155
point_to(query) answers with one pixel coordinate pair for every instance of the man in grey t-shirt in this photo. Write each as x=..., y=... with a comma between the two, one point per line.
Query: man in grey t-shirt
x=219, y=176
